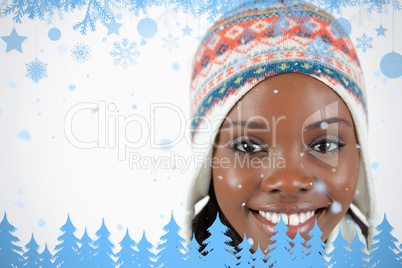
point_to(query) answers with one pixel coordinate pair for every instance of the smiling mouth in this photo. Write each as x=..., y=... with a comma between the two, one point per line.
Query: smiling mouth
x=293, y=219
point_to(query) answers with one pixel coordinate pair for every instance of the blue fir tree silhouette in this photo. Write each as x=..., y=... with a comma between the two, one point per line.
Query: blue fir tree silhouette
x=171, y=252
x=298, y=251
x=85, y=252
x=357, y=257
x=145, y=258
x=259, y=258
x=10, y=254
x=316, y=252
x=67, y=255
x=370, y=261
x=193, y=256
x=219, y=253
x=244, y=256
x=340, y=254
x=31, y=255
x=126, y=256
x=46, y=258
x=103, y=248
x=385, y=252
x=400, y=254
x=279, y=251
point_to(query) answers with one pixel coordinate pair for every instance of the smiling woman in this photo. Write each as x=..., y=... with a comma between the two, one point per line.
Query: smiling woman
x=290, y=123
x=326, y=156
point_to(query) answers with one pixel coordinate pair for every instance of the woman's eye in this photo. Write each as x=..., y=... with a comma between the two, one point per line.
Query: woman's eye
x=248, y=147
x=327, y=146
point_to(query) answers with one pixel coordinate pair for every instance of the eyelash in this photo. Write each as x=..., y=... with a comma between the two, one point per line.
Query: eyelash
x=338, y=143
x=234, y=146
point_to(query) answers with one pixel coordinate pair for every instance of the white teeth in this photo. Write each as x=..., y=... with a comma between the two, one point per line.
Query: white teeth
x=302, y=218
x=285, y=218
x=293, y=219
x=289, y=219
x=275, y=218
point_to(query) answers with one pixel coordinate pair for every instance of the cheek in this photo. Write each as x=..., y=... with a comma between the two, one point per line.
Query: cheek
x=343, y=181
x=233, y=185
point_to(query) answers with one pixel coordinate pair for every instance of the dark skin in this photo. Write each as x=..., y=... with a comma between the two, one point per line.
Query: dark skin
x=314, y=166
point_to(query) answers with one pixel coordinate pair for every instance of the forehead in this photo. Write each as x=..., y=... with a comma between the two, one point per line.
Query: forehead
x=295, y=95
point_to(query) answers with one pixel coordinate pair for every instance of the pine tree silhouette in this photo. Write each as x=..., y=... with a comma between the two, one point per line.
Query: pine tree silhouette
x=341, y=253
x=66, y=255
x=385, y=252
x=171, y=252
x=316, y=252
x=370, y=261
x=145, y=258
x=298, y=251
x=193, y=256
x=31, y=255
x=219, y=253
x=279, y=251
x=259, y=258
x=85, y=252
x=400, y=254
x=46, y=258
x=103, y=248
x=10, y=254
x=357, y=257
x=126, y=256
x=244, y=256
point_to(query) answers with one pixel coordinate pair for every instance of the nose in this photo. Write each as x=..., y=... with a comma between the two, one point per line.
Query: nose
x=288, y=181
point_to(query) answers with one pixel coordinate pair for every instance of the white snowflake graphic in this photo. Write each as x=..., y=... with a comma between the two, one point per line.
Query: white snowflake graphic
x=318, y=49
x=36, y=70
x=124, y=53
x=170, y=42
x=80, y=52
x=364, y=42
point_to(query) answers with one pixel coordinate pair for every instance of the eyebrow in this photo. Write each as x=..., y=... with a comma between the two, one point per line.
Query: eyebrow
x=329, y=121
x=249, y=124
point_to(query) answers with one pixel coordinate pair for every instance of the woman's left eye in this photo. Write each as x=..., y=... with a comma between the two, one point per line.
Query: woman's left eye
x=327, y=146
x=248, y=146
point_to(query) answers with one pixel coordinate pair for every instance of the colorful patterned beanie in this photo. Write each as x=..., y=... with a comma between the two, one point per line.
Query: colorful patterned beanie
x=259, y=40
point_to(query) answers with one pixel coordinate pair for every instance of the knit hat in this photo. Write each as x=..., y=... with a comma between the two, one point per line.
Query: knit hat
x=258, y=40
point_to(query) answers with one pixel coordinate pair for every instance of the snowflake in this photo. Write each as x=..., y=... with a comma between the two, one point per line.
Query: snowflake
x=215, y=8
x=361, y=16
x=80, y=52
x=186, y=6
x=170, y=42
x=36, y=70
x=364, y=43
x=380, y=6
x=124, y=53
x=168, y=15
x=319, y=49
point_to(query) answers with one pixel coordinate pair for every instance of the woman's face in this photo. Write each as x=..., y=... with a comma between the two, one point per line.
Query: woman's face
x=289, y=148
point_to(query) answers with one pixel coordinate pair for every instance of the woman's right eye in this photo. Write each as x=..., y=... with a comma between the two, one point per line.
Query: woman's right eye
x=248, y=146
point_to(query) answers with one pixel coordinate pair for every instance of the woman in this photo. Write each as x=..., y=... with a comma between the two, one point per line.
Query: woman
x=279, y=115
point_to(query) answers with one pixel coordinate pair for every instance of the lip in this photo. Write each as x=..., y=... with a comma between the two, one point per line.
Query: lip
x=304, y=228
